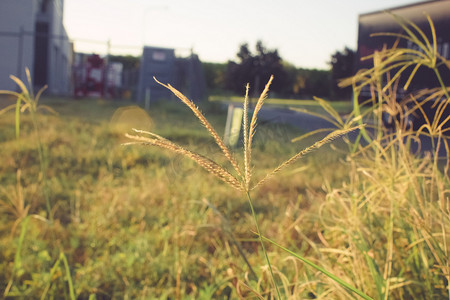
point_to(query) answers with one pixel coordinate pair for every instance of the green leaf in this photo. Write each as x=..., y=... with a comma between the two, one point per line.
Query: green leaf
x=320, y=269
x=18, y=117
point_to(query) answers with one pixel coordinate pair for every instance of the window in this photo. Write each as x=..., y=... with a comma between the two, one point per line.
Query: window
x=159, y=55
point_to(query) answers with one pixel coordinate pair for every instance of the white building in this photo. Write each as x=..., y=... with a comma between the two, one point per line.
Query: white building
x=32, y=35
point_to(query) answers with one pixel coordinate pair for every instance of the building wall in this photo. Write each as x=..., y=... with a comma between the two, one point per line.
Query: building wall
x=381, y=22
x=158, y=63
x=60, y=54
x=17, y=50
x=184, y=74
x=16, y=47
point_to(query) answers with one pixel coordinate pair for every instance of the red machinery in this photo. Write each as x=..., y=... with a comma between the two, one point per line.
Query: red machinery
x=89, y=76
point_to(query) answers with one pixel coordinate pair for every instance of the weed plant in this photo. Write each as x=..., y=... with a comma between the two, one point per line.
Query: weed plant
x=386, y=229
x=368, y=214
x=16, y=204
x=241, y=178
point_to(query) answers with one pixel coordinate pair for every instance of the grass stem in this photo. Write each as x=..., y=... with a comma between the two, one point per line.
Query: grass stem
x=262, y=243
x=318, y=268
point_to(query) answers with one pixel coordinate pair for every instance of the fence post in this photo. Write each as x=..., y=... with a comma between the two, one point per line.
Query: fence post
x=147, y=99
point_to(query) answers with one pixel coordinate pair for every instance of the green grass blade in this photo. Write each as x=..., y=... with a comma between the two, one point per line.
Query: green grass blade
x=52, y=273
x=320, y=269
x=318, y=115
x=262, y=244
x=68, y=276
x=17, y=117
x=329, y=109
x=11, y=93
x=433, y=33
x=358, y=116
x=48, y=109
x=404, y=24
x=6, y=109
x=20, y=84
x=227, y=227
x=373, y=267
x=17, y=257
x=30, y=84
x=311, y=133
x=39, y=93
x=414, y=71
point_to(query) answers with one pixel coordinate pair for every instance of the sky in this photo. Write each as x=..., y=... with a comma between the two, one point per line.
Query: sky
x=305, y=32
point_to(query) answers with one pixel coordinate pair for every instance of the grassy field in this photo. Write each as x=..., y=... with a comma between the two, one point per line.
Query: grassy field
x=83, y=216
x=342, y=107
x=138, y=222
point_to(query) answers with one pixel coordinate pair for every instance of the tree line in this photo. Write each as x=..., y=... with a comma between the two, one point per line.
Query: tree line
x=290, y=82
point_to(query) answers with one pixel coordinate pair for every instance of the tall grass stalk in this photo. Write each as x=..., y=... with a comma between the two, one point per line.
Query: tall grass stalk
x=57, y=267
x=320, y=269
x=399, y=60
x=393, y=213
x=18, y=257
x=27, y=101
x=238, y=179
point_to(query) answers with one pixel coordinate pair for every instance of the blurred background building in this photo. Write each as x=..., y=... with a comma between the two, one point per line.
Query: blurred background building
x=184, y=73
x=32, y=35
x=373, y=23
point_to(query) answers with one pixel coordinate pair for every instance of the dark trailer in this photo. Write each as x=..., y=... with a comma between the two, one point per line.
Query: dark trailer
x=382, y=22
x=425, y=78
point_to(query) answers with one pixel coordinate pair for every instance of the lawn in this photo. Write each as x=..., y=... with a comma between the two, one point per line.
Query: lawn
x=342, y=107
x=85, y=217
x=139, y=222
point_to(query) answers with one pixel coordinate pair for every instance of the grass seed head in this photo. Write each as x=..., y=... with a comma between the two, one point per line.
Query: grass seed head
x=206, y=124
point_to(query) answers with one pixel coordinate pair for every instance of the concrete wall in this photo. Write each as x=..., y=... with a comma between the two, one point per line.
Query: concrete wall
x=16, y=49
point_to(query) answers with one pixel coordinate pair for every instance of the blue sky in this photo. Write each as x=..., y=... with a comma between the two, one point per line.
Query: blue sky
x=305, y=32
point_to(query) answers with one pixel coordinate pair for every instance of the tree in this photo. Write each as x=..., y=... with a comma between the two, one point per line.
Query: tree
x=128, y=61
x=215, y=76
x=255, y=69
x=312, y=82
x=342, y=66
